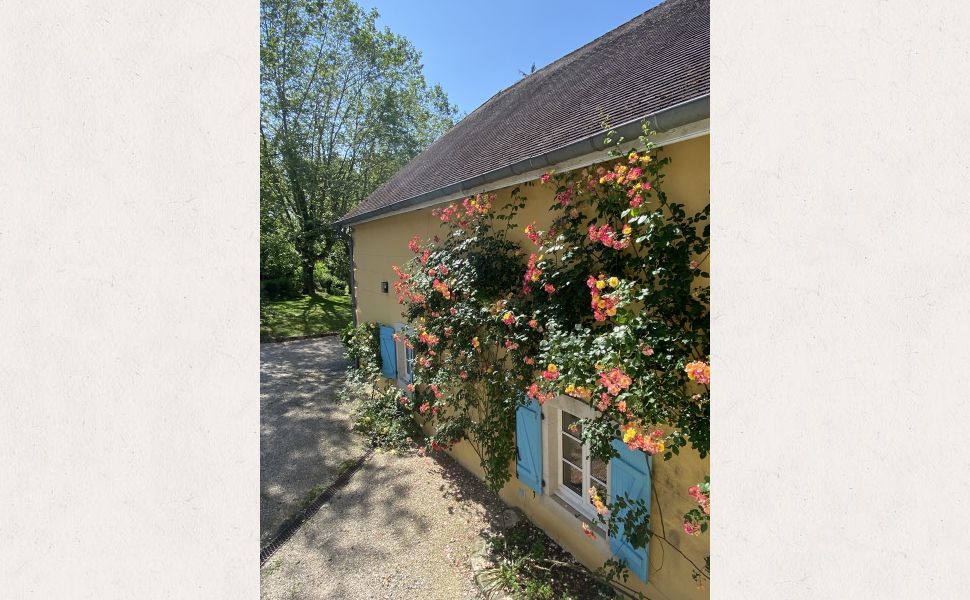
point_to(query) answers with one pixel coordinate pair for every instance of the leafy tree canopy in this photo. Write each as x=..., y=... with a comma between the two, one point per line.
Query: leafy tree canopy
x=344, y=105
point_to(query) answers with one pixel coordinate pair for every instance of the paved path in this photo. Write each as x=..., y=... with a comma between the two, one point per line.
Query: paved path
x=403, y=528
x=305, y=435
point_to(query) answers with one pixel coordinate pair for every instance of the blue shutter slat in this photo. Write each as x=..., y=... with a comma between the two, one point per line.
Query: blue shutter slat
x=630, y=476
x=388, y=353
x=528, y=444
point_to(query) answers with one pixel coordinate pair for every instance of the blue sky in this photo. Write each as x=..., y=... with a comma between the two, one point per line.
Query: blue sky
x=475, y=49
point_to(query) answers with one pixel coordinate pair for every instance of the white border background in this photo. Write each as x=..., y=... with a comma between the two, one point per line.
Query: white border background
x=129, y=358
x=840, y=294
x=128, y=303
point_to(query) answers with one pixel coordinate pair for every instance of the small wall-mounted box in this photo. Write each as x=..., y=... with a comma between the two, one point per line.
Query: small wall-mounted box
x=384, y=287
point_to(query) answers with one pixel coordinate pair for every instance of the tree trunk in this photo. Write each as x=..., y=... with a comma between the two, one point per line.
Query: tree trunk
x=308, y=259
x=309, y=262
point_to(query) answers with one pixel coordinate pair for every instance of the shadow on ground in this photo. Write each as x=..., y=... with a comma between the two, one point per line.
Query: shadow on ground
x=307, y=315
x=305, y=435
x=403, y=527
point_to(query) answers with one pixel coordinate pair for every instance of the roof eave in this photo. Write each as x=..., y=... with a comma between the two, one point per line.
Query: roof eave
x=678, y=115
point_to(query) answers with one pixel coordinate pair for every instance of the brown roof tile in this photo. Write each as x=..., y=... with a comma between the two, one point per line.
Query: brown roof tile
x=655, y=61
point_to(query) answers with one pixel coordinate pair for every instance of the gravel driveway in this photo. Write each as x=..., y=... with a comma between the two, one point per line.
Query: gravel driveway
x=305, y=434
x=403, y=528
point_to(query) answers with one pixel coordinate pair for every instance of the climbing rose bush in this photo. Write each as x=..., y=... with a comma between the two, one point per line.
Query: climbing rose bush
x=609, y=305
x=459, y=294
x=696, y=521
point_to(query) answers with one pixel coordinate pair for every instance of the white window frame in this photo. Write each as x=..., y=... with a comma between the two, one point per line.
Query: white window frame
x=402, y=352
x=409, y=364
x=554, y=466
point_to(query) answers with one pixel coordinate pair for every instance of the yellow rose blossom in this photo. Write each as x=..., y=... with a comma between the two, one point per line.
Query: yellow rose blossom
x=594, y=497
x=627, y=229
x=600, y=284
x=629, y=434
x=552, y=368
x=614, y=282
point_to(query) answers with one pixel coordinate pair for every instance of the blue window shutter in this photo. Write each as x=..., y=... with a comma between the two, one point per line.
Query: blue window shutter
x=388, y=353
x=630, y=476
x=528, y=445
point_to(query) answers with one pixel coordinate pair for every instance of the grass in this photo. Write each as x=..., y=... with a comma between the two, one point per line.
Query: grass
x=308, y=315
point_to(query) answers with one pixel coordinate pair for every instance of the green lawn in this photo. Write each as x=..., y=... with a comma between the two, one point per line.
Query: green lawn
x=303, y=316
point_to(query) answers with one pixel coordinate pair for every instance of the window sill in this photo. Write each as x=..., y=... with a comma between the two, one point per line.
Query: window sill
x=594, y=526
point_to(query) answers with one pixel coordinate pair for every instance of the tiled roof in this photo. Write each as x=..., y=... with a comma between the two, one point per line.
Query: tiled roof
x=657, y=60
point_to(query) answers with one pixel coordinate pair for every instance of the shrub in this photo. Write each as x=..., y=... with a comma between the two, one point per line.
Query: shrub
x=382, y=411
x=328, y=283
x=363, y=344
x=280, y=288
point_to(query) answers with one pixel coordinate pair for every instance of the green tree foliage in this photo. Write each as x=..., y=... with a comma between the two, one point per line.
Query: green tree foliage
x=344, y=105
x=279, y=262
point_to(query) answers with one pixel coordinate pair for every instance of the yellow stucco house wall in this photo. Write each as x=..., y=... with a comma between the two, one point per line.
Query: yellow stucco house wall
x=380, y=243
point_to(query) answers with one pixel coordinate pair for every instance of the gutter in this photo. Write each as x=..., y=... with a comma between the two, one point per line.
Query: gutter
x=353, y=280
x=669, y=118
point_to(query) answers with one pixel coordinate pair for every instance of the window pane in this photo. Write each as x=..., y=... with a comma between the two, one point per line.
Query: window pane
x=570, y=420
x=572, y=478
x=597, y=469
x=572, y=450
